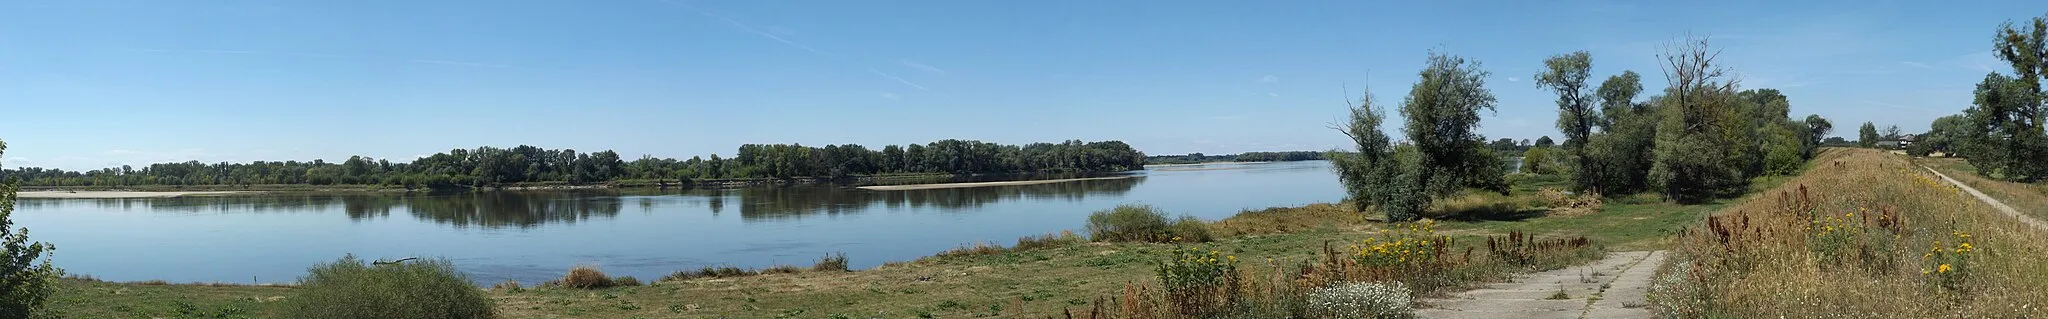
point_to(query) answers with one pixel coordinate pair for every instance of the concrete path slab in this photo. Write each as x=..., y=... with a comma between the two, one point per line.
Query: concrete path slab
x=1622, y=281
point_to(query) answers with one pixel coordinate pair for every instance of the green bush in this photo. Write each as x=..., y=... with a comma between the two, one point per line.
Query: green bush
x=24, y=283
x=1128, y=222
x=422, y=289
x=1189, y=229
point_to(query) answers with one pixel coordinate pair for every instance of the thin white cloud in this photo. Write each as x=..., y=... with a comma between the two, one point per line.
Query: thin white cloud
x=898, y=79
x=751, y=29
x=779, y=30
x=1514, y=79
x=1271, y=94
x=921, y=66
x=887, y=95
x=1269, y=79
x=1919, y=65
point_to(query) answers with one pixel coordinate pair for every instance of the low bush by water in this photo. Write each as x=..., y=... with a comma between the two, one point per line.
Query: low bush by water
x=346, y=288
x=1143, y=223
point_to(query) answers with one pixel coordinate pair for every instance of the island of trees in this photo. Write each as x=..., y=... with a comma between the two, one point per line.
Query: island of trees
x=491, y=166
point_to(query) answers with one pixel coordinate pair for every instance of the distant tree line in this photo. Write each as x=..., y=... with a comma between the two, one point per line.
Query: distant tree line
x=1192, y=158
x=490, y=166
x=2001, y=133
x=1702, y=138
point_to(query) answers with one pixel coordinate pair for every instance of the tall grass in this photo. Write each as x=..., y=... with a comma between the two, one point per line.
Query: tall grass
x=831, y=262
x=346, y=288
x=1863, y=234
x=1413, y=261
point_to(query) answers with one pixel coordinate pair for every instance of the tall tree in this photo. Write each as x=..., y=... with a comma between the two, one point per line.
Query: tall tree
x=1702, y=121
x=1565, y=74
x=1866, y=135
x=1628, y=134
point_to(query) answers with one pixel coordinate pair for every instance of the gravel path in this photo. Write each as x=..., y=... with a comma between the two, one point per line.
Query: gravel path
x=1621, y=281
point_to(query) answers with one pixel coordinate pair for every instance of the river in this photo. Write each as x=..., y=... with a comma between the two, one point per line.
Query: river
x=531, y=236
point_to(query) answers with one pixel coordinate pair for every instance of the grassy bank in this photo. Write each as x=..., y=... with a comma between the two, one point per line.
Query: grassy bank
x=2030, y=199
x=1862, y=234
x=1049, y=278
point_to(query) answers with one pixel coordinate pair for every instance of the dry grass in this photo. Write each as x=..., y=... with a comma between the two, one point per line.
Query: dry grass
x=1851, y=238
x=2030, y=199
x=587, y=277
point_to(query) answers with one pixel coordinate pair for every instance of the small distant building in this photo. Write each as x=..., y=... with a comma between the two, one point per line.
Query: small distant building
x=1891, y=145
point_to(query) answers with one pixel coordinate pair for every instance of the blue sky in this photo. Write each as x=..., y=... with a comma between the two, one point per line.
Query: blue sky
x=87, y=84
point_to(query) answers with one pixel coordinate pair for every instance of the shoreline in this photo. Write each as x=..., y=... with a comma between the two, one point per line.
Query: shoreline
x=984, y=184
x=123, y=194
x=1148, y=166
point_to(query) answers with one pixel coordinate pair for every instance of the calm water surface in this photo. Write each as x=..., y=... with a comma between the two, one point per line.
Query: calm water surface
x=535, y=236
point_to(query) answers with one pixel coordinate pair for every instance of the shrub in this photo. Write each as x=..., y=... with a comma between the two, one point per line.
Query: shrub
x=976, y=249
x=346, y=288
x=1129, y=222
x=831, y=262
x=1065, y=237
x=587, y=277
x=626, y=281
x=782, y=269
x=24, y=283
x=722, y=272
x=1362, y=300
x=1188, y=229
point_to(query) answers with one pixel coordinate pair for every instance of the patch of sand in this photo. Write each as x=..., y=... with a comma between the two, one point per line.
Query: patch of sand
x=118, y=194
x=980, y=184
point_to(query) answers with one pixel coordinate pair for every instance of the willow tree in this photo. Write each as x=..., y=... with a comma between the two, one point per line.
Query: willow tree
x=1566, y=75
x=1447, y=156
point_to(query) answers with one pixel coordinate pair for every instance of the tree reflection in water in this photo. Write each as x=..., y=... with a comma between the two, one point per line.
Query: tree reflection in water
x=526, y=209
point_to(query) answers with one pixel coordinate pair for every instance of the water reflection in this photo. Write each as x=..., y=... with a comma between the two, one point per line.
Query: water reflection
x=527, y=209
x=786, y=203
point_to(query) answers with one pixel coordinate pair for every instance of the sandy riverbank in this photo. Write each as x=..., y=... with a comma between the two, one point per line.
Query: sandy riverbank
x=981, y=184
x=118, y=194
x=1202, y=164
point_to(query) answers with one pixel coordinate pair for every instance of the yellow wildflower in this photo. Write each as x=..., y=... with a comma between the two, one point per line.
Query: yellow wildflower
x=1944, y=269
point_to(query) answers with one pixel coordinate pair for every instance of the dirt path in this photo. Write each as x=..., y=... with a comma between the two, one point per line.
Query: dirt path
x=1621, y=282
x=2029, y=220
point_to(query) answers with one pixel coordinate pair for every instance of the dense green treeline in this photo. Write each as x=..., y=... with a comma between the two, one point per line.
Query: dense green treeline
x=490, y=166
x=1240, y=157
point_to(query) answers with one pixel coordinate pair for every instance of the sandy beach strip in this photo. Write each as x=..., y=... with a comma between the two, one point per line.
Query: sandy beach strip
x=118, y=194
x=982, y=184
